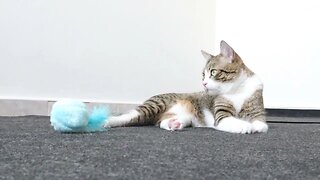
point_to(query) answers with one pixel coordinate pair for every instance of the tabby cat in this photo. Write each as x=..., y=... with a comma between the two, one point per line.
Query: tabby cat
x=232, y=101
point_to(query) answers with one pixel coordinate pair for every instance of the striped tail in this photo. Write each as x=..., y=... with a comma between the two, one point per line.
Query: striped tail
x=146, y=114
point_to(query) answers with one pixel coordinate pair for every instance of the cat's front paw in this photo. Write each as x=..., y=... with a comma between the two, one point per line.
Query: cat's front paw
x=246, y=129
x=259, y=126
x=234, y=125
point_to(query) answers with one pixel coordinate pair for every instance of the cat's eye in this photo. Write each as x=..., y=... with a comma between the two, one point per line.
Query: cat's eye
x=227, y=71
x=213, y=72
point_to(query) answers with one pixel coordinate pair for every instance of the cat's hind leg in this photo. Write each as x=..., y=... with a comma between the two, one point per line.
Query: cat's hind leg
x=122, y=120
x=178, y=116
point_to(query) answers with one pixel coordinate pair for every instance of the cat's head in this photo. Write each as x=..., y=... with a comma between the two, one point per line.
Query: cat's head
x=224, y=72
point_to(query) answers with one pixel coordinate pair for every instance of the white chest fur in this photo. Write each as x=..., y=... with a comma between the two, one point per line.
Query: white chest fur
x=244, y=91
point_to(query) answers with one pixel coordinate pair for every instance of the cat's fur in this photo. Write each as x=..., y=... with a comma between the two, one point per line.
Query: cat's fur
x=232, y=101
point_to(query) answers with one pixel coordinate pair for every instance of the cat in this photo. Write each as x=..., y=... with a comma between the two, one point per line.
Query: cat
x=232, y=100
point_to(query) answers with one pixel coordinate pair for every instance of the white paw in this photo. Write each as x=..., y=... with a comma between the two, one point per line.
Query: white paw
x=234, y=125
x=116, y=121
x=108, y=124
x=259, y=126
x=246, y=128
x=122, y=120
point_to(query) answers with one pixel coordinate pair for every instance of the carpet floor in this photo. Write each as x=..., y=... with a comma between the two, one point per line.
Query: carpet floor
x=31, y=149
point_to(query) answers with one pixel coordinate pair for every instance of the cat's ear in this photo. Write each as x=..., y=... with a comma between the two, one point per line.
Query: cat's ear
x=226, y=50
x=206, y=55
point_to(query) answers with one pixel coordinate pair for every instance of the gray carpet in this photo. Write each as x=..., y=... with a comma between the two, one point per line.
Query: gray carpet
x=30, y=149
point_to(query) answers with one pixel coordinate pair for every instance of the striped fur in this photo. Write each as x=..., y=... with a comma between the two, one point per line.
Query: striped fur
x=232, y=101
x=164, y=107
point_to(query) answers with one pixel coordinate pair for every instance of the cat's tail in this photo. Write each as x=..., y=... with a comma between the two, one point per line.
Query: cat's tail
x=146, y=114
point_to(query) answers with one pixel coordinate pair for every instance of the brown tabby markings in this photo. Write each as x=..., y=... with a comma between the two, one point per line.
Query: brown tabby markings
x=252, y=108
x=151, y=109
x=155, y=109
x=222, y=109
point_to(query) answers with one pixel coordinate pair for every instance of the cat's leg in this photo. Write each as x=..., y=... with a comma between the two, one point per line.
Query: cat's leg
x=225, y=120
x=178, y=116
x=122, y=120
x=234, y=125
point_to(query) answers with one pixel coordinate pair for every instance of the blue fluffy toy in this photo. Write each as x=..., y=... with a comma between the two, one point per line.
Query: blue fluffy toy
x=73, y=116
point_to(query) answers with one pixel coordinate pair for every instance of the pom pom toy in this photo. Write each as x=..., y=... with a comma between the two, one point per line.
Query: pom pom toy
x=73, y=116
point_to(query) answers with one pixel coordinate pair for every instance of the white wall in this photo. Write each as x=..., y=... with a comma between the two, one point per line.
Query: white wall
x=279, y=40
x=103, y=50
x=126, y=51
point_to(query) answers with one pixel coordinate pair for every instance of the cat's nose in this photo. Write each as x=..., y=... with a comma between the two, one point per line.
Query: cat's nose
x=204, y=84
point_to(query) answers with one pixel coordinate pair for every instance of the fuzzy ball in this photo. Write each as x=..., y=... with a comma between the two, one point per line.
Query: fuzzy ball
x=73, y=116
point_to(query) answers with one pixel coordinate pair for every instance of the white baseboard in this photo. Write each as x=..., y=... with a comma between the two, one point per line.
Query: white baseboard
x=16, y=107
